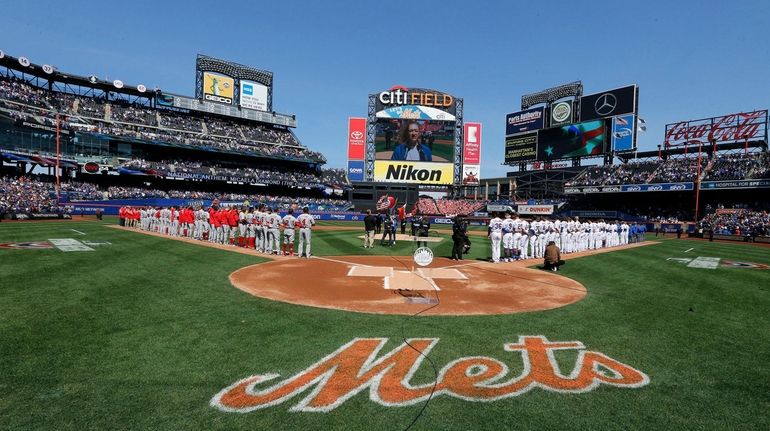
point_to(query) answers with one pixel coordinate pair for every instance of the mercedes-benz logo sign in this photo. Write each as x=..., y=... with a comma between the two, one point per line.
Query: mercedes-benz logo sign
x=605, y=104
x=357, y=134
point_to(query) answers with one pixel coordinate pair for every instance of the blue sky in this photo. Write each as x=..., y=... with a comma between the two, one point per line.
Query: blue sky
x=691, y=59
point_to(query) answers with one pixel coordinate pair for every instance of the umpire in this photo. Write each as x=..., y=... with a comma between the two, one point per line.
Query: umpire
x=459, y=238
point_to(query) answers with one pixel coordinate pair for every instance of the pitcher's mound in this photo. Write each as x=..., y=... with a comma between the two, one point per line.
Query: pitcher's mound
x=393, y=285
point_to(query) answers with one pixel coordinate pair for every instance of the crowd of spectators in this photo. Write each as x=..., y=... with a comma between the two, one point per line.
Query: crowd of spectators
x=246, y=174
x=335, y=177
x=738, y=222
x=426, y=205
x=141, y=122
x=283, y=202
x=730, y=166
x=27, y=194
x=459, y=206
x=678, y=170
x=38, y=194
x=449, y=207
x=133, y=114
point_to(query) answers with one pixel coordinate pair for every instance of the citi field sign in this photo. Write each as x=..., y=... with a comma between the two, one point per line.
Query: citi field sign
x=400, y=96
x=358, y=366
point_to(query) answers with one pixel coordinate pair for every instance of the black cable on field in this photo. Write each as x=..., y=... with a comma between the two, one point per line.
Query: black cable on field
x=430, y=361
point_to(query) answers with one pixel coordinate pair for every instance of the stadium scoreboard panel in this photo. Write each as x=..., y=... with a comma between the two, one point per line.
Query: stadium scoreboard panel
x=414, y=136
x=585, y=126
x=232, y=84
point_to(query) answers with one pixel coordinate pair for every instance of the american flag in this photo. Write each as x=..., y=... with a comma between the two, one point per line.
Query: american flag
x=383, y=203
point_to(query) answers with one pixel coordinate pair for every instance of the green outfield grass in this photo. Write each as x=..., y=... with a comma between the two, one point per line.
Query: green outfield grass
x=142, y=333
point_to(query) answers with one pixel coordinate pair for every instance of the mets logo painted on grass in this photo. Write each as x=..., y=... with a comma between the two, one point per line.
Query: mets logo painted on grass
x=356, y=366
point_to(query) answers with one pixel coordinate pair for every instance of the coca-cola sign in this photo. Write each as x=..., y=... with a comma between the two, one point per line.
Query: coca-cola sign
x=728, y=128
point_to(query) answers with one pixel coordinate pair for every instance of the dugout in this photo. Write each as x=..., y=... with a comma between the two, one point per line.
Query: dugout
x=365, y=194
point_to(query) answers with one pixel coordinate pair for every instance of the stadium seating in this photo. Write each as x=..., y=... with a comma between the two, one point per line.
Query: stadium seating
x=739, y=222
x=38, y=193
x=118, y=118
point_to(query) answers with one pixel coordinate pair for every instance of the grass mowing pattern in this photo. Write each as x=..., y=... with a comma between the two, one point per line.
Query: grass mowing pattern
x=142, y=333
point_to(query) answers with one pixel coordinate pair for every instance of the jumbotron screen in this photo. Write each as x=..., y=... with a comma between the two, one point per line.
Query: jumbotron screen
x=414, y=140
x=575, y=140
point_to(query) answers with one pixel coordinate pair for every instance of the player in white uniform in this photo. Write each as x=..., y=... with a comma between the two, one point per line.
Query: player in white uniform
x=289, y=223
x=242, y=227
x=266, y=216
x=273, y=221
x=534, y=228
x=508, y=244
x=250, y=229
x=496, y=236
x=624, y=233
x=524, y=239
x=306, y=223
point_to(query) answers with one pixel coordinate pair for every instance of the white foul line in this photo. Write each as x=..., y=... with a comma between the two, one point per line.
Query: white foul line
x=689, y=250
x=75, y=230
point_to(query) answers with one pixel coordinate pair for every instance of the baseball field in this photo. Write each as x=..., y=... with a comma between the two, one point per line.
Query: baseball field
x=103, y=328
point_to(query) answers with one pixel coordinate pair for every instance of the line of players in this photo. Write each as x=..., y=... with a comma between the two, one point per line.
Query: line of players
x=261, y=228
x=522, y=239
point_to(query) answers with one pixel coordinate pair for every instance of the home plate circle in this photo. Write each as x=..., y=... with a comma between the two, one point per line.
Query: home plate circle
x=390, y=285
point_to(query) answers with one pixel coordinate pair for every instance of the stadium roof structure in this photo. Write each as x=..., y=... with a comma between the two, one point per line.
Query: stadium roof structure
x=44, y=71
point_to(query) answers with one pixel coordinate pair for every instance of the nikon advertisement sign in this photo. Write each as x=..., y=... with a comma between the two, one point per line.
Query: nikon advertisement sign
x=413, y=172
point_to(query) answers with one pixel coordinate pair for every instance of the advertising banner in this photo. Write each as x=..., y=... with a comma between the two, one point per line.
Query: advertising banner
x=538, y=166
x=472, y=143
x=727, y=128
x=471, y=174
x=736, y=184
x=575, y=140
x=562, y=113
x=356, y=170
x=356, y=138
x=529, y=120
x=415, y=103
x=218, y=88
x=661, y=187
x=624, y=133
x=608, y=103
x=521, y=148
x=535, y=209
x=413, y=172
x=253, y=96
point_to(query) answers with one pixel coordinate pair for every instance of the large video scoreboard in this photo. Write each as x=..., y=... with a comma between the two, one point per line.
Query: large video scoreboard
x=414, y=136
x=581, y=126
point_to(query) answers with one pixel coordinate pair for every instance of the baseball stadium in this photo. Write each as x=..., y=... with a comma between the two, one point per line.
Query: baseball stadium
x=184, y=262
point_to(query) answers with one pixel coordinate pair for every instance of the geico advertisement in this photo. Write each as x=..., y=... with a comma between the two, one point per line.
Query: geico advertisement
x=413, y=172
x=218, y=88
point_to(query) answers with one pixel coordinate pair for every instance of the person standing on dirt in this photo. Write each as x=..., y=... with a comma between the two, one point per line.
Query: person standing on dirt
x=370, y=223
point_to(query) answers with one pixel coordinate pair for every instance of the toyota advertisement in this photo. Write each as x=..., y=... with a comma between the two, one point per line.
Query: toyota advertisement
x=609, y=103
x=575, y=140
x=356, y=138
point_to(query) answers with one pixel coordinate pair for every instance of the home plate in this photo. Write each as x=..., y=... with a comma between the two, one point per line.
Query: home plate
x=407, y=280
